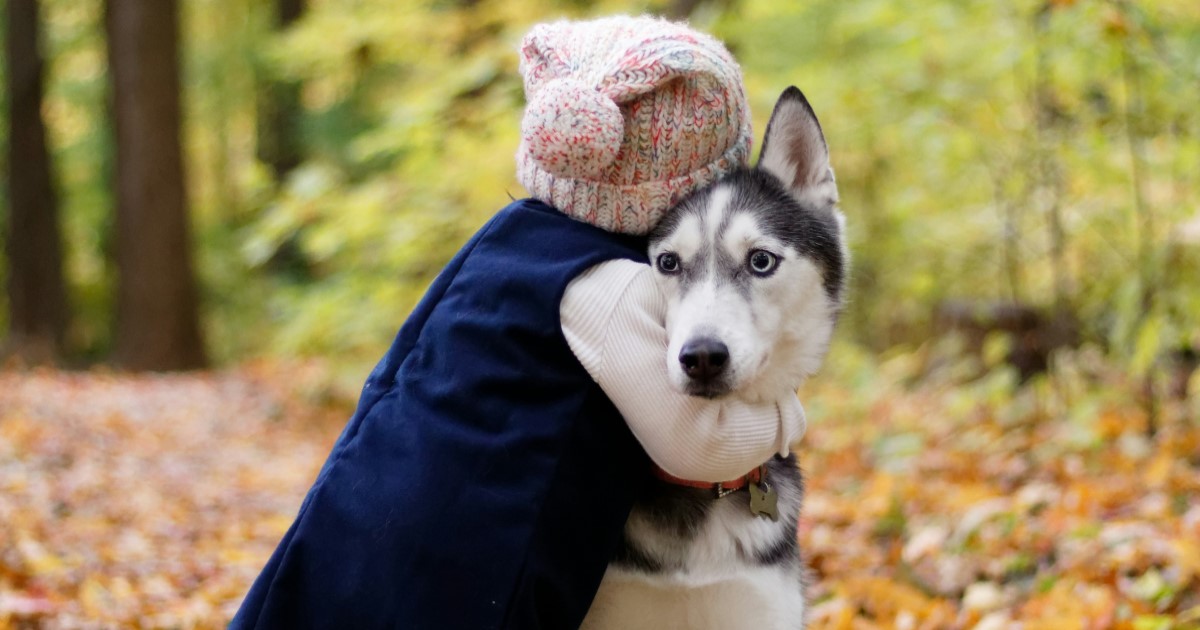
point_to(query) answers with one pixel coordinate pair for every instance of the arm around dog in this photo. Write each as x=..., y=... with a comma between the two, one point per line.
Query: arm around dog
x=613, y=318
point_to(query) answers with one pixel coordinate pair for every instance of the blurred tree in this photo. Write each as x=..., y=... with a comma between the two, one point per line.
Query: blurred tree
x=157, y=320
x=37, y=298
x=279, y=107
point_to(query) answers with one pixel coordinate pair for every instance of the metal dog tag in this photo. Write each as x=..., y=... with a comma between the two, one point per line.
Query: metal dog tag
x=764, y=501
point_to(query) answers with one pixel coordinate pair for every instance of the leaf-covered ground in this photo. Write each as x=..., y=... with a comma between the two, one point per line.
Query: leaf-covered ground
x=152, y=501
x=147, y=501
x=984, y=506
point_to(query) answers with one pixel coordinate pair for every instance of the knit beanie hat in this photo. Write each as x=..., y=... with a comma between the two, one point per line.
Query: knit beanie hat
x=626, y=116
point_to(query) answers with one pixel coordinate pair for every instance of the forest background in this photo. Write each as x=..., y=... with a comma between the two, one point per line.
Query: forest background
x=266, y=187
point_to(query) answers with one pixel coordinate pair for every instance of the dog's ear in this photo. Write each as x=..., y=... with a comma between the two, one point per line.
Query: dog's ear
x=794, y=150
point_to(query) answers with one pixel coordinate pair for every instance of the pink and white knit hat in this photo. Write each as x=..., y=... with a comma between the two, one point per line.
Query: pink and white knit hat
x=626, y=116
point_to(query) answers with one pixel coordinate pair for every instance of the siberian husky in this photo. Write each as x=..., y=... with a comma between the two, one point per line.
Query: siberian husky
x=753, y=268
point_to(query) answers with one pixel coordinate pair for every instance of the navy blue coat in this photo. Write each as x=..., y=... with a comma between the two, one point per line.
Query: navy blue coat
x=484, y=480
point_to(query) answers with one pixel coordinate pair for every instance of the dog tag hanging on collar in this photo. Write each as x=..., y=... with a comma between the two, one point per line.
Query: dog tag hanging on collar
x=764, y=501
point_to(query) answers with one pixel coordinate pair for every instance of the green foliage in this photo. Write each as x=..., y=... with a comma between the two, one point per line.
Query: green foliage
x=962, y=134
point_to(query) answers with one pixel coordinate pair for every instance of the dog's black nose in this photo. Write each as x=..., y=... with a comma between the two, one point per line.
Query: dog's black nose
x=703, y=359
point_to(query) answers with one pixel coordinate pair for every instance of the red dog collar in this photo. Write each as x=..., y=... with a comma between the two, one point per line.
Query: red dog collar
x=721, y=488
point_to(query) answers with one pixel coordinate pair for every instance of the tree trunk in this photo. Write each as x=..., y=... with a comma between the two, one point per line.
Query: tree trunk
x=279, y=108
x=36, y=293
x=157, y=320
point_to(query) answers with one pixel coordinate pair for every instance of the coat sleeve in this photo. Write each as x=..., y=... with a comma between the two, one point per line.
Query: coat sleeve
x=613, y=317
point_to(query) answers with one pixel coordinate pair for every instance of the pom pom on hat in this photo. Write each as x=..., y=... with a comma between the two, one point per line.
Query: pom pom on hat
x=572, y=130
x=626, y=116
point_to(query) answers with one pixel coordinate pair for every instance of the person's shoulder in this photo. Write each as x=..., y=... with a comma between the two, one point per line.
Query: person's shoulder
x=529, y=204
x=537, y=226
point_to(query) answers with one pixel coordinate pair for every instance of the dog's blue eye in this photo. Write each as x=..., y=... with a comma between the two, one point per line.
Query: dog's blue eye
x=763, y=262
x=668, y=263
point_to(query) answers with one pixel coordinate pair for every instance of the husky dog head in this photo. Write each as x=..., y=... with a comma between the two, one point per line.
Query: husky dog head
x=753, y=267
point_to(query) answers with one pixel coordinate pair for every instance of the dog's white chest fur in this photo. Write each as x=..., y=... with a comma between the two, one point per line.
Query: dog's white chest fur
x=761, y=598
x=716, y=581
x=726, y=542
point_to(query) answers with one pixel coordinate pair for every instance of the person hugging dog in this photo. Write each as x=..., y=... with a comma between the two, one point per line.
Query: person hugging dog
x=485, y=478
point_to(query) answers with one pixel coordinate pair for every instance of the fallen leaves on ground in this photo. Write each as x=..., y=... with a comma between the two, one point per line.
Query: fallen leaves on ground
x=153, y=501
x=986, y=506
x=147, y=501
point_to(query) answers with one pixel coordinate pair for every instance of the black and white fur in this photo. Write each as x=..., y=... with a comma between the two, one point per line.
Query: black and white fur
x=753, y=268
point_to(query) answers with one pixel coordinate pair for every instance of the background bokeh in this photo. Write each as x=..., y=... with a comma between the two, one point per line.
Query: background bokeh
x=1046, y=153
x=1011, y=399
